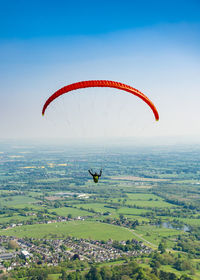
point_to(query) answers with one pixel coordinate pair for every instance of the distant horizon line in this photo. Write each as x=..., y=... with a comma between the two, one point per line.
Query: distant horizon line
x=141, y=141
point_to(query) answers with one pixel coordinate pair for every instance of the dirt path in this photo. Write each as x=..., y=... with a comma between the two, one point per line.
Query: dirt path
x=143, y=239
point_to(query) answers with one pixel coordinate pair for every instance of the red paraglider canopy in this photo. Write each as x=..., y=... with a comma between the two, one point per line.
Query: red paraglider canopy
x=101, y=83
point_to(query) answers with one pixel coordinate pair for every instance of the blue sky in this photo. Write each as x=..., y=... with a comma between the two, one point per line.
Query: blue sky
x=152, y=45
x=31, y=19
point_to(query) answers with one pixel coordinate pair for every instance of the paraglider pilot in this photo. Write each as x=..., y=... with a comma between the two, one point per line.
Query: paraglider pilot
x=95, y=175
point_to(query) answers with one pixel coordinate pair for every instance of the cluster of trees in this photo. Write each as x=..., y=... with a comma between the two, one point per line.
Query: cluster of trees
x=167, y=212
x=179, y=263
x=128, y=247
x=38, y=272
x=122, y=272
x=188, y=244
x=122, y=222
x=80, y=270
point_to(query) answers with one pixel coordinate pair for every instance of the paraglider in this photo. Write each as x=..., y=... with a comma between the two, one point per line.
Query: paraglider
x=95, y=175
x=101, y=83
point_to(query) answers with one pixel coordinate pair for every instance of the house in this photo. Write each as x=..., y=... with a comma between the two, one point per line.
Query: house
x=6, y=256
x=25, y=254
x=2, y=268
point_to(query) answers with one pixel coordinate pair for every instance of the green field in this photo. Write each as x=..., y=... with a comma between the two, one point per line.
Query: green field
x=54, y=276
x=79, y=229
x=168, y=268
x=64, y=211
x=51, y=180
x=131, y=211
x=143, y=196
x=149, y=203
x=143, y=200
x=189, y=221
x=15, y=218
x=98, y=207
x=156, y=234
x=30, y=206
x=15, y=200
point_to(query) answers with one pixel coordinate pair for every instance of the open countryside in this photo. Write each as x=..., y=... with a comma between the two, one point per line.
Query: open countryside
x=77, y=216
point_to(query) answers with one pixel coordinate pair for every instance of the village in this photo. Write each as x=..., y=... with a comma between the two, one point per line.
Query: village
x=28, y=251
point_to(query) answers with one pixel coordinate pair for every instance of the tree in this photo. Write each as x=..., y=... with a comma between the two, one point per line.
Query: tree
x=121, y=217
x=106, y=273
x=93, y=274
x=57, y=204
x=125, y=277
x=161, y=248
x=71, y=276
x=185, y=277
x=155, y=264
x=182, y=265
x=167, y=276
x=12, y=244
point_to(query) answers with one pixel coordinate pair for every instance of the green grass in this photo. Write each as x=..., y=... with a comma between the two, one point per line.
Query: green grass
x=139, y=218
x=14, y=219
x=188, y=181
x=98, y=207
x=149, y=203
x=189, y=221
x=15, y=200
x=168, y=268
x=34, y=194
x=28, y=205
x=131, y=211
x=112, y=263
x=54, y=276
x=51, y=180
x=143, y=200
x=156, y=234
x=64, y=211
x=143, y=196
x=79, y=229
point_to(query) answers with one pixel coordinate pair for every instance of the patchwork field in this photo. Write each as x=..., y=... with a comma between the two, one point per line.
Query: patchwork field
x=38, y=188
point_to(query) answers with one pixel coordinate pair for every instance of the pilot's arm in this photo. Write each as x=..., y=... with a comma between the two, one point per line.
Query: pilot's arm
x=90, y=173
x=100, y=173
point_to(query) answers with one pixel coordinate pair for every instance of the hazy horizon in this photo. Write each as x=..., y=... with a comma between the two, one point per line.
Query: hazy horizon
x=106, y=142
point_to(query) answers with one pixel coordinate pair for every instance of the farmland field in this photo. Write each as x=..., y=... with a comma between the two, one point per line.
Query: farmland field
x=155, y=234
x=79, y=229
x=64, y=211
x=98, y=207
x=149, y=203
x=15, y=200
